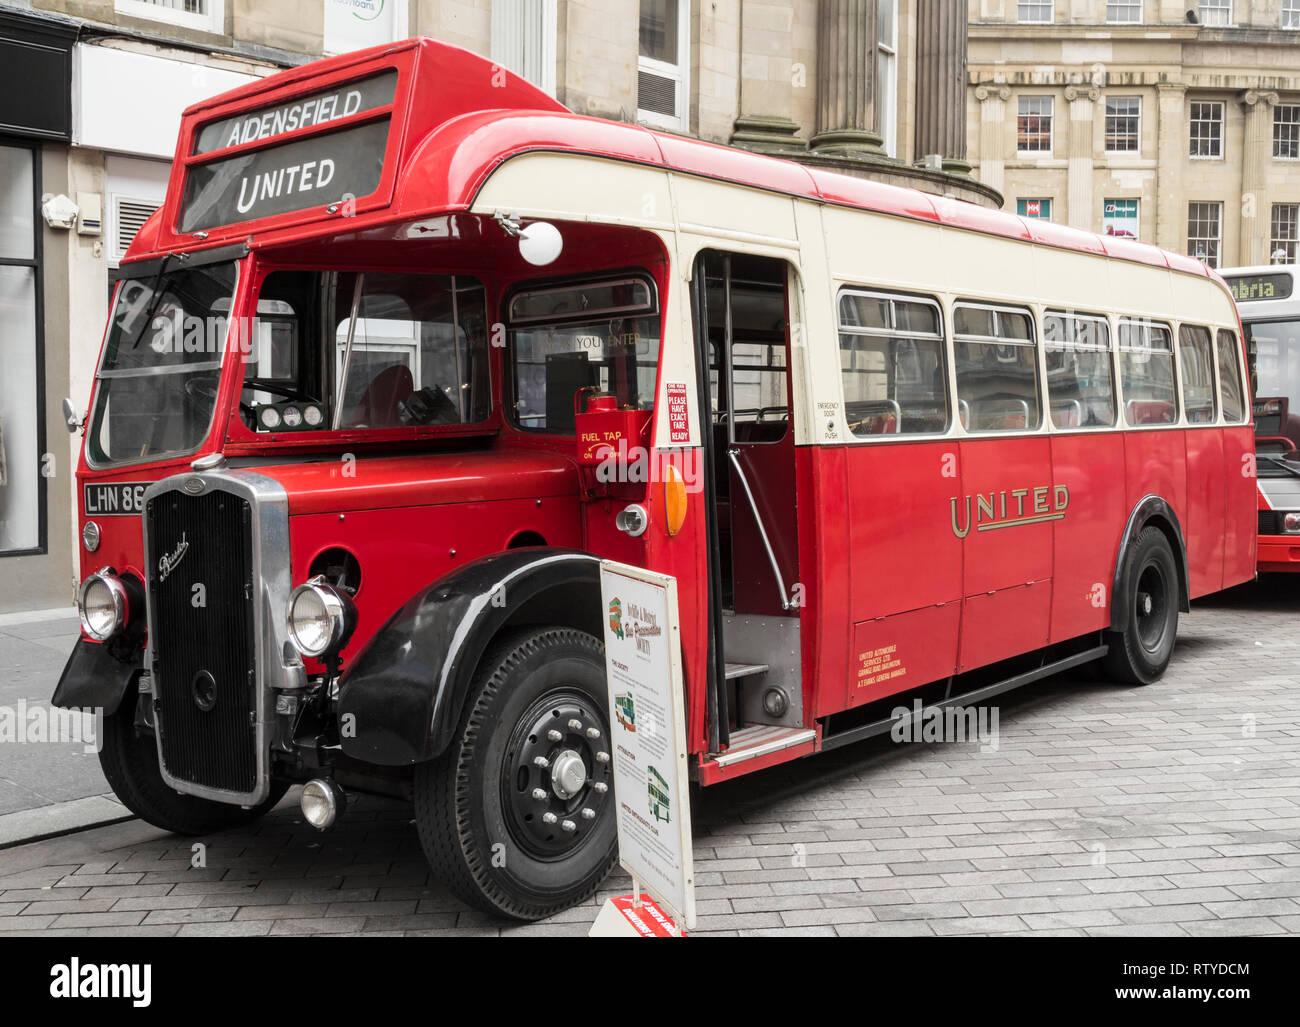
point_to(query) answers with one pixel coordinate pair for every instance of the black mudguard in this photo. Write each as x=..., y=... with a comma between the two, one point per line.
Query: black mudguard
x=1150, y=509
x=400, y=701
x=97, y=676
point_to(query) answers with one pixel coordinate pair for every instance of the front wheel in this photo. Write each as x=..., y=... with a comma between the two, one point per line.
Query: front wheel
x=129, y=760
x=1141, y=652
x=517, y=817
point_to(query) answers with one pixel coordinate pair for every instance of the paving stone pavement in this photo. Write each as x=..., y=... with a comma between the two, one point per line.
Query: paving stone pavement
x=1167, y=810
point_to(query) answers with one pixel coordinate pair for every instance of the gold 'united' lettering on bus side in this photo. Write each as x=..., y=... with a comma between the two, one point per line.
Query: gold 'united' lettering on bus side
x=1009, y=508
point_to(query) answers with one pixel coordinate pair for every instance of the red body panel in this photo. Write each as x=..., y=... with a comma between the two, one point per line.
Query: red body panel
x=1006, y=556
x=1205, y=509
x=1086, y=542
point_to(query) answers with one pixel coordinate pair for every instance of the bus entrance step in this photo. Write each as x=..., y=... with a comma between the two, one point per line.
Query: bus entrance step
x=761, y=739
x=745, y=670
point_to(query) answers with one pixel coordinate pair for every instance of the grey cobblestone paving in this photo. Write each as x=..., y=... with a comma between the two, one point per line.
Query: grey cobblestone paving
x=1172, y=809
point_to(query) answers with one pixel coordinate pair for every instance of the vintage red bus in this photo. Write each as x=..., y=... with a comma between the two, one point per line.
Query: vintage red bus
x=1269, y=300
x=343, y=515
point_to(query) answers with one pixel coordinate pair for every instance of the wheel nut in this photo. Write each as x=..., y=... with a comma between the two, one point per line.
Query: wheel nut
x=540, y=761
x=549, y=818
x=553, y=735
x=600, y=787
x=588, y=814
x=569, y=826
x=539, y=794
x=593, y=733
x=602, y=757
x=575, y=724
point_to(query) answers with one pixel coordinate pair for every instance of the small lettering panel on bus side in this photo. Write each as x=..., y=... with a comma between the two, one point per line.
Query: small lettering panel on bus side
x=115, y=498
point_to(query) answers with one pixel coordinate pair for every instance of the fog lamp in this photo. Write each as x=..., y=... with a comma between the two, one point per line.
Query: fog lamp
x=90, y=536
x=321, y=618
x=103, y=605
x=322, y=802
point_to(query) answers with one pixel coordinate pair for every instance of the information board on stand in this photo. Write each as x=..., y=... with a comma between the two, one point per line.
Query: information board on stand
x=643, y=664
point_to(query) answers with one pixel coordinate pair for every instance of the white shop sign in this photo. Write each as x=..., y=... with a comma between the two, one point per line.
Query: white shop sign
x=643, y=664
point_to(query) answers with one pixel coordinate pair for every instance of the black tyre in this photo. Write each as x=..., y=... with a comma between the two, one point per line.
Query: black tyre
x=1141, y=652
x=517, y=817
x=130, y=763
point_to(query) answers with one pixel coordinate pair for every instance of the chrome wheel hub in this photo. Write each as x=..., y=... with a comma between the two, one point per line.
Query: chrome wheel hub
x=568, y=774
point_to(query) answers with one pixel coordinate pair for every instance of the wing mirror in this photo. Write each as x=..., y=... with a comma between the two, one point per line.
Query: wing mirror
x=70, y=416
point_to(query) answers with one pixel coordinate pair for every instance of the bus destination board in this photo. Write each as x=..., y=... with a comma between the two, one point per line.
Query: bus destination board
x=1260, y=287
x=282, y=177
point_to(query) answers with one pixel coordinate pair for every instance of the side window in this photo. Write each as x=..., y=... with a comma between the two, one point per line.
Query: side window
x=892, y=364
x=1196, y=357
x=1146, y=373
x=365, y=350
x=1234, y=409
x=600, y=334
x=997, y=368
x=1080, y=386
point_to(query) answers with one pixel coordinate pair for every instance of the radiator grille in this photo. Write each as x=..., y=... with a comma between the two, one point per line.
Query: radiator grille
x=203, y=640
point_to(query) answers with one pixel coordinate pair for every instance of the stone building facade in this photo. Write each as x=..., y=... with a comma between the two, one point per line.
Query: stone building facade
x=1177, y=121
x=91, y=93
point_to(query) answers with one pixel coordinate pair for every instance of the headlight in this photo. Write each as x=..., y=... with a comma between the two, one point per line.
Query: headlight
x=321, y=618
x=1291, y=522
x=103, y=605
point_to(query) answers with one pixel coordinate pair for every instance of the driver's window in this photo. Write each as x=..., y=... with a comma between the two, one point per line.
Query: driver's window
x=354, y=350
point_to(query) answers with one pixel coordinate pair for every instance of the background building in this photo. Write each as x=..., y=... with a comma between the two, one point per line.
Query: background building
x=91, y=93
x=1174, y=121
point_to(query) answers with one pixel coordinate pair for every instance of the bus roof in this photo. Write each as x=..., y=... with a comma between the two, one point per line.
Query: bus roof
x=440, y=145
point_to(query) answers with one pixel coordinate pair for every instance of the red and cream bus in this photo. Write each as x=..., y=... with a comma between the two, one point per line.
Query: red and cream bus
x=342, y=515
x=1269, y=301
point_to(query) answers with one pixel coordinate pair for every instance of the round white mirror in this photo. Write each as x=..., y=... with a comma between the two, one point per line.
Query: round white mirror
x=540, y=243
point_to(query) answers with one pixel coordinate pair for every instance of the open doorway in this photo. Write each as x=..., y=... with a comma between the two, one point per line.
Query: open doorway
x=743, y=317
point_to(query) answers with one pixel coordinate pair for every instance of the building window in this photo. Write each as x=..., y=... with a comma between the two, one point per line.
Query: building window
x=1206, y=129
x=1282, y=249
x=1124, y=12
x=1291, y=14
x=22, y=421
x=1038, y=12
x=1204, y=231
x=524, y=40
x=1123, y=124
x=664, y=64
x=1039, y=209
x=1120, y=218
x=1034, y=125
x=887, y=74
x=205, y=15
x=1216, y=12
x=1286, y=130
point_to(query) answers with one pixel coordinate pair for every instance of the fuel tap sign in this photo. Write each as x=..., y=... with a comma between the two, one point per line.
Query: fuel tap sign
x=643, y=663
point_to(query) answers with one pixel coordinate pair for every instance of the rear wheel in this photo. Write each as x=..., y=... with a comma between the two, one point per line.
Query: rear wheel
x=517, y=818
x=130, y=763
x=1141, y=652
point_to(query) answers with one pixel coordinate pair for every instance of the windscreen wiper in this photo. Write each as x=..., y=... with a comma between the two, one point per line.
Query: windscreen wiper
x=156, y=299
x=1281, y=462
